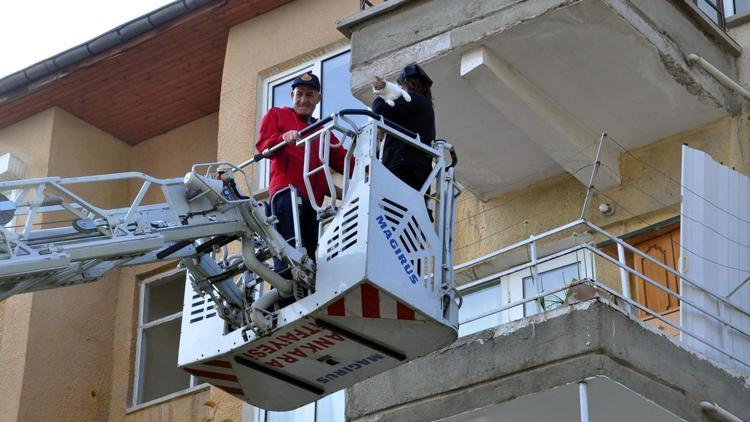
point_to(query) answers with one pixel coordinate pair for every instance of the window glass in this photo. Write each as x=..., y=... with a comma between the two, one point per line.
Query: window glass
x=478, y=303
x=158, y=341
x=160, y=375
x=336, y=81
x=740, y=6
x=709, y=8
x=282, y=94
x=331, y=408
x=164, y=297
x=552, y=279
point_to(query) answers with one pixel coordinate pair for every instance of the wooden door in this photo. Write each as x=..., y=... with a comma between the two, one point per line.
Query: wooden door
x=665, y=249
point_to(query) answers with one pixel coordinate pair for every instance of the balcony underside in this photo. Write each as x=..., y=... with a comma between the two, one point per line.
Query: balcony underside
x=539, y=360
x=524, y=88
x=608, y=401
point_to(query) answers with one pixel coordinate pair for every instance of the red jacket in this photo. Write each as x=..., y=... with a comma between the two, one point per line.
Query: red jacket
x=287, y=164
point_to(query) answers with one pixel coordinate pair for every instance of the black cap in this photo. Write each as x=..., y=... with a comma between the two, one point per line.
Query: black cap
x=414, y=71
x=307, y=79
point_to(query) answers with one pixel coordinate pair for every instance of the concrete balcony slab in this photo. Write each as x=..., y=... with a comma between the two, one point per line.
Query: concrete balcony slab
x=542, y=356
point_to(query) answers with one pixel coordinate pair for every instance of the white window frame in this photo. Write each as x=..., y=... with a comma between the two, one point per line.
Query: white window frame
x=511, y=285
x=261, y=415
x=315, y=66
x=141, y=328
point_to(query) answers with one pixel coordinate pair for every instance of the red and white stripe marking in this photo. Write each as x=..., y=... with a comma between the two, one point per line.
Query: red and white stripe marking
x=218, y=372
x=366, y=301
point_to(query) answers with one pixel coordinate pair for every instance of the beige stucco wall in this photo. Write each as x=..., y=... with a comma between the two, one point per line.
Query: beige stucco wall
x=273, y=42
x=69, y=344
x=67, y=354
x=173, y=153
x=15, y=312
x=30, y=141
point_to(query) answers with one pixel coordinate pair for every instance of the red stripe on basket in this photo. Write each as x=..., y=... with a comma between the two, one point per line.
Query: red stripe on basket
x=403, y=311
x=370, y=301
x=337, y=308
x=214, y=375
x=219, y=363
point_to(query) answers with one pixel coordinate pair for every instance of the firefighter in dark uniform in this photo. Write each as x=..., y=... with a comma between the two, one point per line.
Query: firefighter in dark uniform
x=407, y=163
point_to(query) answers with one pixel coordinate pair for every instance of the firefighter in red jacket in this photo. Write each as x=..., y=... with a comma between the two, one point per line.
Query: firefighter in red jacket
x=287, y=165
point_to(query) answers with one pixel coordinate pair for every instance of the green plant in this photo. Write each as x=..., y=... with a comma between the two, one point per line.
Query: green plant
x=551, y=302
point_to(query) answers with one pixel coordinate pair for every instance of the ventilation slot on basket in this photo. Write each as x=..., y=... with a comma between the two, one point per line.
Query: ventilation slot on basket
x=394, y=213
x=344, y=235
x=411, y=238
x=201, y=307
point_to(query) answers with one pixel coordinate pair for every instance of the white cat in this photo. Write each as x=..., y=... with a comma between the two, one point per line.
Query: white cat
x=389, y=91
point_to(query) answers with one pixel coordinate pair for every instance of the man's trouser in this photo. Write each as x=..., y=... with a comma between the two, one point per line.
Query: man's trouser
x=308, y=223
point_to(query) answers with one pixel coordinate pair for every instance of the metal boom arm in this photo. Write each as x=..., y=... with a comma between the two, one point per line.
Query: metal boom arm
x=199, y=215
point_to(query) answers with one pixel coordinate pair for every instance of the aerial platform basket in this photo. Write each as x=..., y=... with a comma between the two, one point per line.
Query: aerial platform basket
x=382, y=296
x=380, y=292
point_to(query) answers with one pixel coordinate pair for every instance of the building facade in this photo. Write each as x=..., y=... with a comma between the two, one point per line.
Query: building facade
x=523, y=89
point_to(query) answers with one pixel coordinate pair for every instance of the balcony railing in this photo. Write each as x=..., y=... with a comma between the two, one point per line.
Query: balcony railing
x=729, y=356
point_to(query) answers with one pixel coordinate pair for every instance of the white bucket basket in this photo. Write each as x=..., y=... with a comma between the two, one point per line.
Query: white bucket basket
x=381, y=299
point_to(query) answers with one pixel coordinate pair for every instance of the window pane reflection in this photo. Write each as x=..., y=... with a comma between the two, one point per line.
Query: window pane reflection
x=478, y=303
x=337, y=87
x=282, y=94
x=709, y=9
x=741, y=6
x=164, y=297
x=331, y=408
x=161, y=376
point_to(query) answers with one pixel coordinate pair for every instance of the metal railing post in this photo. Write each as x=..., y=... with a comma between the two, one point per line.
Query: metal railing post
x=583, y=397
x=590, y=186
x=535, y=276
x=295, y=219
x=624, y=278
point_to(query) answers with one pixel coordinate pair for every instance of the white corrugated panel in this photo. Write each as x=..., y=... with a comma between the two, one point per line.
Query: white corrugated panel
x=715, y=247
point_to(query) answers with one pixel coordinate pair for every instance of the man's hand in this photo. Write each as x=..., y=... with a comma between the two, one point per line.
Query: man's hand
x=290, y=136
